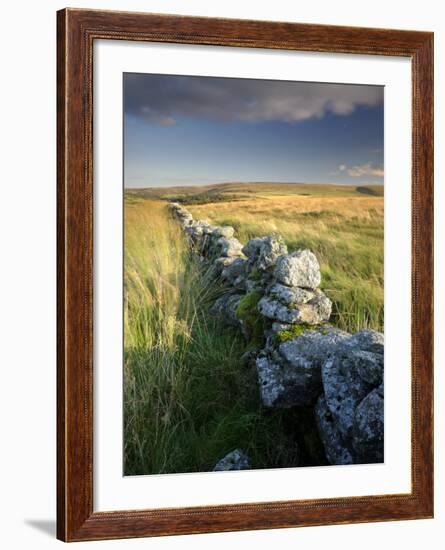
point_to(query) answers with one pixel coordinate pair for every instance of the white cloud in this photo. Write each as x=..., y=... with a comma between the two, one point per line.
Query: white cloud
x=367, y=169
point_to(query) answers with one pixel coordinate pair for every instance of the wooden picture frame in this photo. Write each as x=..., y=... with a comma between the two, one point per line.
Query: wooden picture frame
x=77, y=31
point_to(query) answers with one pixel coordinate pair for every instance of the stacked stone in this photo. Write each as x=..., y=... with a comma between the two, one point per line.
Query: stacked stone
x=183, y=215
x=293, y=297
x=235, y=460
x=337, y=374
x=216, y=244
x=341, y=376
x=350, y=412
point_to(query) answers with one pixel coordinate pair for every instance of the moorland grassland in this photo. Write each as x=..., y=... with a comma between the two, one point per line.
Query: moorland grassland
x=187, y=398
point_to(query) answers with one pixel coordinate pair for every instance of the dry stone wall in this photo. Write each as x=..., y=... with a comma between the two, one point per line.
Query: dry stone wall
x=274, y=298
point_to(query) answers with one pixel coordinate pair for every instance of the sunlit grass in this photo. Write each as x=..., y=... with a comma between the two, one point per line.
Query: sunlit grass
x=188, y=400
x=345, y=233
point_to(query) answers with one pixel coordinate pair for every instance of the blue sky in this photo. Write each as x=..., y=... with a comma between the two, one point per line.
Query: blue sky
x=183, y=130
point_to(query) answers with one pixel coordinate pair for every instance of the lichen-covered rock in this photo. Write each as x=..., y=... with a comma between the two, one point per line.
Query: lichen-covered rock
x=314, y=345
x=274, y=299
x=368, y=428
x=365, y=443
x=352, y=378
x=228, y=247
x=235, y=460
x=220, y=265
x=272, y=309
x=367, y=340
x=226, y=231
x=235, y=273
x=369, y=366
x=255, y=286
x=313, y=312
x=348, y=376
x=185, y=221
x=195, y=229
x=195, y=232
x=336, y=450
x=300, y=269
x=291, y=375
x=263, y=252
x=274, y=389
x=290, y=295
x=183, y=215
x=279, y=327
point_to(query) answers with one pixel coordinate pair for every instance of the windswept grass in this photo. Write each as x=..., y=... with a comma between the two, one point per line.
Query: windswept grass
x=345, y=232
x=188, y=400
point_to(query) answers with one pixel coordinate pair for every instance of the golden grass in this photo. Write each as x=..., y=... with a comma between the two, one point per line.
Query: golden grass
x=286, y=206
x=345, y=233
x=188, y=400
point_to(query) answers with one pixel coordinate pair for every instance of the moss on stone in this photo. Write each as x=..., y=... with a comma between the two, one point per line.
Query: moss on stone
x=255, y=275
x=247, y=312
x=293, y=332
x=247, y=307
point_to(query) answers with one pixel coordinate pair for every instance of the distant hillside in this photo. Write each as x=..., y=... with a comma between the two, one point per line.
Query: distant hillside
x=224, y=192
x=374, y=190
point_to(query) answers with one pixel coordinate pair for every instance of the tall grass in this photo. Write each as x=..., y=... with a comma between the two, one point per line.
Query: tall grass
x=188, y=400
x=345, y=233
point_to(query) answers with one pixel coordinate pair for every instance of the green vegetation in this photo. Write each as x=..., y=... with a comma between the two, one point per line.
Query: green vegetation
x=204, y=198
x=247, y=311
x=295, y=330
x=187, y=398
x=342, y=226
x=375, y=190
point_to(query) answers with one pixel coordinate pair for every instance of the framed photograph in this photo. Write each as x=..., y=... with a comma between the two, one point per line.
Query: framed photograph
x=245, y=230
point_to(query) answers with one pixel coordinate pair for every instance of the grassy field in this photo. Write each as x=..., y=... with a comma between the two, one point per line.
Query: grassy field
x=187, y=398
x=342, y=225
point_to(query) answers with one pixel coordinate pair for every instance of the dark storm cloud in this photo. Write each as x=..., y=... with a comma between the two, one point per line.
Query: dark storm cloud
x=160, y=99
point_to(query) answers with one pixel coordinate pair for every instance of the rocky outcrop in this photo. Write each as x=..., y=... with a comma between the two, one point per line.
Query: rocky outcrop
x=235, y=460
x=290, y=373
x=348, y=376
x=300, y=269
x=263, y=252
x=350, y=412
x=287, y=283
x=333, y=443
x=274, y=299
x=314, y=311
x=368, y=428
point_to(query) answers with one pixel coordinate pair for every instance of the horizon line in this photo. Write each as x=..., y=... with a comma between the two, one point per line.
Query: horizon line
x=345, y=184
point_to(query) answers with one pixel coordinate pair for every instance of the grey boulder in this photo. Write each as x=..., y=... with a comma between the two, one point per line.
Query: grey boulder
x=220, y=265
x=298, y=269
x=228, y=247
x=226, y=231
x=235, y=460
x=235, y=273
x=291, y=375
x=313, y=312
x=290, y=295
x=348, y=376
x=263, y=252
x=336, y=450
x=367, y=340
x=368, y=428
